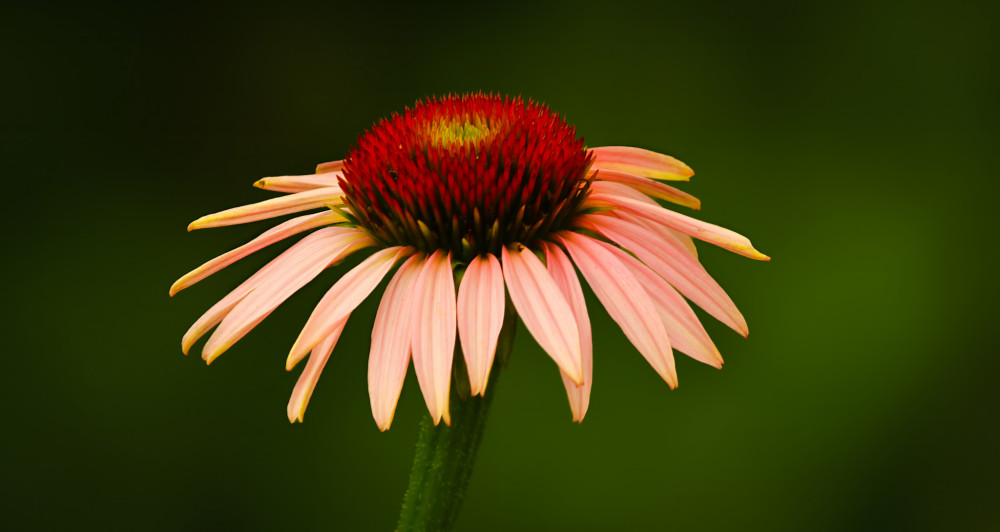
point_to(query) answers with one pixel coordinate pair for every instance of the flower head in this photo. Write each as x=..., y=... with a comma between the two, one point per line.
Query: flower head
x=503, y=195
x=466, y=175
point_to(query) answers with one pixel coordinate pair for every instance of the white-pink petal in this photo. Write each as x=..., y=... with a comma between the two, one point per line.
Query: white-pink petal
x=713, y=234
x=561, y=270
x=543, y=309
x=343, y=297
x=640, y=162
x=310, y=375
x=275, y=234
x=625, y=299
x=433, y=333
x=480, y=317
x=299, y=183
x=280, y=206
x=222, y=308
x=683, y=327
x=293, y=270
x=390, y=347
x=332, y=166
x=672, y=263
x=666, y=233
x=650, y=188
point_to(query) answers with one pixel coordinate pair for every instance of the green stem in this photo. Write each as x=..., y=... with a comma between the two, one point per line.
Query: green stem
x=445, y=454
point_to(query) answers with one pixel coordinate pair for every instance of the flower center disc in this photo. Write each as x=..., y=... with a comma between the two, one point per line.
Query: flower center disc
x=466, y=173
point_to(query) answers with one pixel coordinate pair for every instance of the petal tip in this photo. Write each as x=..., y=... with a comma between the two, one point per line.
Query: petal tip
x=176, y=287
x=295, y=355
x=200, y=223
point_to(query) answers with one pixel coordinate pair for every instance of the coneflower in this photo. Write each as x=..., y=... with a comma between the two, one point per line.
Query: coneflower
x=485, y=204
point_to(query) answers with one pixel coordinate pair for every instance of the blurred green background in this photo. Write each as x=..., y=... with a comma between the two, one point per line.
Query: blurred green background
x=854, y=142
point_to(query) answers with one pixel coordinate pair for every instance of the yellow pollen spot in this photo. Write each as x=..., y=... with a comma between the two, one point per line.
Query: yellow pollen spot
x=455, y=132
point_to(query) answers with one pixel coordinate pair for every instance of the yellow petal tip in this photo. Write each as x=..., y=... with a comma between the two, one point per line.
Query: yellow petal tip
x=294, y=356
x=176, y=287
x=197, y=224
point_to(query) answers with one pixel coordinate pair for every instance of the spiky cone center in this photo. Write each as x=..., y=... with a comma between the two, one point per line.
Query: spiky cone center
x=468, y=174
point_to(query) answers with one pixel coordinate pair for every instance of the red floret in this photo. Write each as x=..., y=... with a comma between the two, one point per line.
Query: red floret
x=466, y=173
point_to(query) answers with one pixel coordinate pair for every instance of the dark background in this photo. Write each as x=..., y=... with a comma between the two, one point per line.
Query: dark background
x=854, y=142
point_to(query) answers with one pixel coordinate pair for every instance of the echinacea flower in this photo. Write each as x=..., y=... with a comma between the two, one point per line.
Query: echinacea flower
x=502, y=195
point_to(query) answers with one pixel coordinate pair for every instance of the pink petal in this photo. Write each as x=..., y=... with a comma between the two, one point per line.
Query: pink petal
x=685, y=242
x=713, y=234
x=480, y=316
x=221, y=309
x=685, y=331
x=640, y=162
x=343, y=297
x=307, y=380
x=433, y=333
x=299, y=183
x=332, y=166
x=275, y=234
x=299, y=265
x=390, y=349
x=280, y=206
x=625, y=300
x=562, y=273
x=544, y=310
x=673, y=264
x=650, y=188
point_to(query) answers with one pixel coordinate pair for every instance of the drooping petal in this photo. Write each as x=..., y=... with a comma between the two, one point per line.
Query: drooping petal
x=665, y=232
x=275, y=234
x=280, y=206
x=223, y=307
x=710, y=233
x=673, y=264
x=640, y=162
x=685, y=242
x=544, y=309
x=686, y=332
x=390, y=348
x=480, y=316
x=332, y=166
x=432, y=333
x=310, y=375
x=561, y=270
x=625, y=299
x=299, y=183
x=343, y=297
x=299, y=265
x=648, y=187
